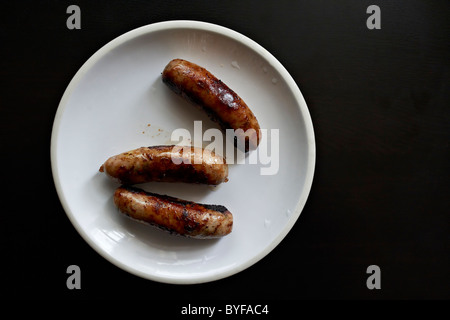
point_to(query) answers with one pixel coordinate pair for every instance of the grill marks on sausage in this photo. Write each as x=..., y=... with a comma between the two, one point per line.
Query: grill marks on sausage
x=156, y=164
x=179, y=216
x=210, y=94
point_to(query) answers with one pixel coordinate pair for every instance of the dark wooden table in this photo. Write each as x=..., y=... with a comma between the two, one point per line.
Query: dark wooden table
x=380, y=105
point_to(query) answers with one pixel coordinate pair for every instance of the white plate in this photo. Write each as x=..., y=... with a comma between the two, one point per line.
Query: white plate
x=117, y=102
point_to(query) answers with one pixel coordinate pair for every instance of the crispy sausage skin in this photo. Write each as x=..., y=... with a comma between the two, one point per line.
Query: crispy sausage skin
x=221, y=103
x=177, y=216
x=167, y=164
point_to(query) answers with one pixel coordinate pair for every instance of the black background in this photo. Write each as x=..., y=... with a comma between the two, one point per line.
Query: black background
x=379, y=102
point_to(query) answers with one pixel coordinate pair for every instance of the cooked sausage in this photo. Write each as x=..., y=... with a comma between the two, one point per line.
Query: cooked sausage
x=177, y=216
x=221, y=103
x=167, y=164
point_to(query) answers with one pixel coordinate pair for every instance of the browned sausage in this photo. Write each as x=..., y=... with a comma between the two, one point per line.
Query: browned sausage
x=177, y=216
x=221, y=103
x=167, y=164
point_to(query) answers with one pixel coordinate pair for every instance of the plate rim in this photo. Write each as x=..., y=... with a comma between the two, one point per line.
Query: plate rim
x=207, y=27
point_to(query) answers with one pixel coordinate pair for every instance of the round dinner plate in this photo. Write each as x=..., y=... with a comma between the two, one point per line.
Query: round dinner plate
x=117, y=102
